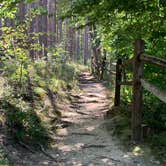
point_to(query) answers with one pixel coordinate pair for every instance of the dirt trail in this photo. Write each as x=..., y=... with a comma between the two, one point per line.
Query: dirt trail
x=85, y=141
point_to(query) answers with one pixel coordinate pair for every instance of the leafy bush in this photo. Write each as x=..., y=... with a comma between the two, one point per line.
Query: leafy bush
x=24, y=125
x=27, y=110
x=40, y=92
x=160, y=138
x=154, y=113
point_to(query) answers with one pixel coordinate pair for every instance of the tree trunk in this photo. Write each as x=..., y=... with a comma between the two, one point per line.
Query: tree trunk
x=44, y=28
x=0, y=27
x=86, y=49
x=51, y=7
x=22, y=12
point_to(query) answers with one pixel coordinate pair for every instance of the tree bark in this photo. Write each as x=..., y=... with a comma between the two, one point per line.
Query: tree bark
x=86, y=44
x=137, y=91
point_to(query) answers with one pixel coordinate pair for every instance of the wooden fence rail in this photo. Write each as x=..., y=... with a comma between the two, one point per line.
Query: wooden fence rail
x=161, y=94
x=138, y=83
x=153, y=60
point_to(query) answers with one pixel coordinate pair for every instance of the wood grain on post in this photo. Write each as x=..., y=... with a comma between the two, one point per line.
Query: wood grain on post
x=137, y=91
x=118, y=80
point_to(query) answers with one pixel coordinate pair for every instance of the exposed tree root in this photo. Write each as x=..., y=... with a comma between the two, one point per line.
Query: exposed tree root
x=46, y=154
x=94, y=146
x=26, y=147
x=90, y=134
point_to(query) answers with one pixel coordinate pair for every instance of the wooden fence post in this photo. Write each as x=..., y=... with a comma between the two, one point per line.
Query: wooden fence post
x=137, y=91
x=103, y=64
x=117, y=84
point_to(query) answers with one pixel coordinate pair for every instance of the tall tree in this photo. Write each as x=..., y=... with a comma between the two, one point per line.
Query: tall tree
x=0, y=27
x=86, y=44
x=44, y=28
x=51, y=7
x=22, y=11
x=78, y=43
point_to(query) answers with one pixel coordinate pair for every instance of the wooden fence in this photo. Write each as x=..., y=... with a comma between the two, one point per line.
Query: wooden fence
x=138, y=83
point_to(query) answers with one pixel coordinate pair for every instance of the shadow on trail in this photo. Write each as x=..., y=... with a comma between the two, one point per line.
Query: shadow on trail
x=87, y=140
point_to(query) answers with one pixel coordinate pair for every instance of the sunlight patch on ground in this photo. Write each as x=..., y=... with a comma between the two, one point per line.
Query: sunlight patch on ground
x=69, y=148
x=65, y=148
x=137, y=151
x=62, y=132
x=91, y=128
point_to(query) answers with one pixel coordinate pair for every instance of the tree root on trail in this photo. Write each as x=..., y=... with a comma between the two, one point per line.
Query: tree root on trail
x=82, y=113
x=75, y=107
x=89, y=134
x=86, y=101
x=75, y=96
x=50, y=156
x=47, y=155
x=26, y=147
x=94, y=146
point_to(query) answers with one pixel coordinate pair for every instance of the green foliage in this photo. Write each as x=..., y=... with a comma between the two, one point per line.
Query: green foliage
x=9, y=7
x=156, y=76
x=28, y=84
x=24, y=125
x=3, y=158
x=160, y=139
x=31, y=87
x=120, y=23
x=39, y=92
x=154, y=113
x=16, y=46
x=48, y=79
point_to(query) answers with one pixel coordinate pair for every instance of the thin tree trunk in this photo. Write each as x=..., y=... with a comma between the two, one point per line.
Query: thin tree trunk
x=44, y=29
x=86, y=51
x=0, y=27
x=51, y=7
x=78, y=44
x=22, y=12
x=32, y=27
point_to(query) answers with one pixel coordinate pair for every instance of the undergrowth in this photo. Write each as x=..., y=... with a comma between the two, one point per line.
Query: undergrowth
x=3, y=158
x=29, y=98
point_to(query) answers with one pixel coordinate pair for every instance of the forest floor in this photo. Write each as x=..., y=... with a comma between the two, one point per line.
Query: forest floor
x=84, y=139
